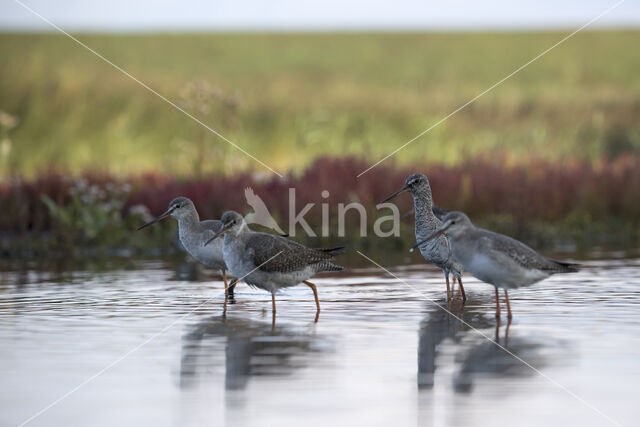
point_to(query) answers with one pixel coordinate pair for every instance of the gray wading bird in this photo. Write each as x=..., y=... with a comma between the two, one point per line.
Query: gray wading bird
x=193, y=233
x=495, y=258
x=269, y=261
x=438, y=251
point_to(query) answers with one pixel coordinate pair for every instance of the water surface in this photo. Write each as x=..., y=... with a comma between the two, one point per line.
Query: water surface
x=382, y=352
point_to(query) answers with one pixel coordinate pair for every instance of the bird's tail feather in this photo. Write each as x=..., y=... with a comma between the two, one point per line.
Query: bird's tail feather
x=569, y=267
x=329, y=266
x=338, y=250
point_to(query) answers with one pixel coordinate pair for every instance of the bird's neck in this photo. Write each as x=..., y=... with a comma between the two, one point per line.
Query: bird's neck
x=422, y=201
x=188, y=226
x=426, y=221
x=238, y=238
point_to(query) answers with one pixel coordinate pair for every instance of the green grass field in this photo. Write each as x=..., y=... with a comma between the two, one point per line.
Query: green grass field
x=288, y=98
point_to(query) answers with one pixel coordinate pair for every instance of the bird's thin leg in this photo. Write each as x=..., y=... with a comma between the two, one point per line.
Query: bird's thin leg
x=446, y=276
x=273, y=307
x=506, y=297
x=232, y=287
x=315, y=294
x=464, y=295
x=497, y=304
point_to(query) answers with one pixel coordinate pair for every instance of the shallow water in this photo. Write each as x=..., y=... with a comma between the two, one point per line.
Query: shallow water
x=138, y=347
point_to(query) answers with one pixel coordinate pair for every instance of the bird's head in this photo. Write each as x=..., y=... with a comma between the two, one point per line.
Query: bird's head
x=178, y=208
x=232, y=223
x=413, y=184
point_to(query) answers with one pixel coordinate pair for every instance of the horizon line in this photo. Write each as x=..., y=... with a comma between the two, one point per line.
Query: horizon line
x=321, y=30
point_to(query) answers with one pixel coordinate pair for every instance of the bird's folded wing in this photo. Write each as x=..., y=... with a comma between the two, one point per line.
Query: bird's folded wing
x=279, y=254
x=520, y=253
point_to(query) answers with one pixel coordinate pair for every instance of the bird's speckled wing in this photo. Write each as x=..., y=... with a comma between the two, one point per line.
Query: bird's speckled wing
x=521, y=253
x=293, y=256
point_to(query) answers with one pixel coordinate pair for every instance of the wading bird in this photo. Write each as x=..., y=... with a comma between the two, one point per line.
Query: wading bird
x=271, y=262
x=495, y=258
x=438, y=251
x=193, y=233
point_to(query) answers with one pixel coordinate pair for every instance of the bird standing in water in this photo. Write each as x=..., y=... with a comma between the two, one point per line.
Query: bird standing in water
x=495, y=258
x=438, y=251
x=193, y=233
x=269, y=261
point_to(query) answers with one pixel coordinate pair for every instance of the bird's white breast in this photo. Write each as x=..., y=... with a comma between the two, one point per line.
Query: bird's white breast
x=237, y=263
x=502, y=272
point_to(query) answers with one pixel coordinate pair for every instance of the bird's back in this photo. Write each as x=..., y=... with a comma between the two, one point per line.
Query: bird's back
x=503, y=261
x=439, y=212
x=525, y=256
x=293, y=256
x=214, y=225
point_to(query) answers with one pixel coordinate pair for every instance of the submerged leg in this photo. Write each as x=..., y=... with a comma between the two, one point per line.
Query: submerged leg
x=464, y=295
x=315, y=294
x=497, y=303
x=224, y=307
x=506, y=297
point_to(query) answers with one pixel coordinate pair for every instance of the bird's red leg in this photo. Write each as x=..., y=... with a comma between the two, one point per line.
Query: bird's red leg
x=226, y=284
x=497, y=304
x=506, y=297
x=446, y=276
x=315, y=294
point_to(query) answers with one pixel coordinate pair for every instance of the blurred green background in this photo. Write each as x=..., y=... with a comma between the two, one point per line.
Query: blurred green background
x=551, y=156
x=289, y=98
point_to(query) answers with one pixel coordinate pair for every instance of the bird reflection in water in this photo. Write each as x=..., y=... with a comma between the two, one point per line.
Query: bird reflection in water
x=474, y=356
x=251, y=348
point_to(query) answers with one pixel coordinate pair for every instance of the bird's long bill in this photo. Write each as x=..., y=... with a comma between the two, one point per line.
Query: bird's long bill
x=432, y=236
x=219, y=233
x=160, y=218
x=404, y=188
